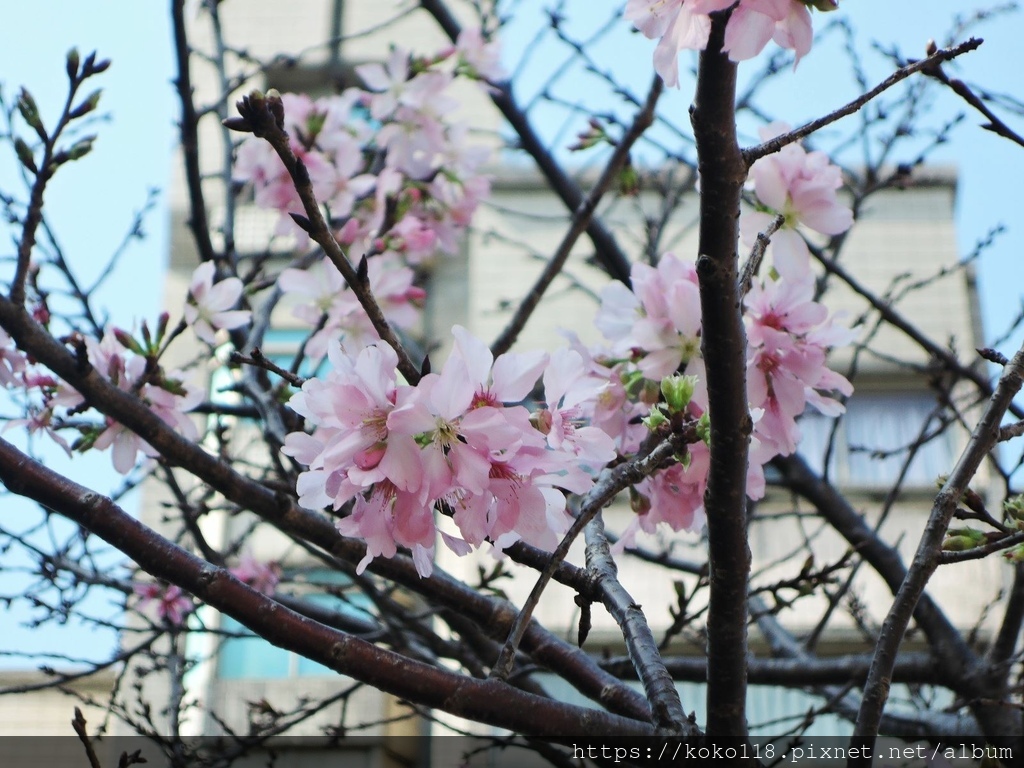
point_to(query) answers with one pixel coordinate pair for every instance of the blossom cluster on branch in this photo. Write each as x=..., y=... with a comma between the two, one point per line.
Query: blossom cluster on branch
x=686, y=24
x=400, y=181
x=486, y=450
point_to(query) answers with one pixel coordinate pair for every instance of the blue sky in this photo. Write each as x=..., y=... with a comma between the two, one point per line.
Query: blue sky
x=91, y=202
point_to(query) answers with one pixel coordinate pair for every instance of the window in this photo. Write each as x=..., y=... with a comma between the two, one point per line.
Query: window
x=251, y=657
x=874, y=438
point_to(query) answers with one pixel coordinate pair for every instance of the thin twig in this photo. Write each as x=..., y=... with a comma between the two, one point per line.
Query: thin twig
x=961, y=89
x=774, y=145
x=78, y=723
x=264, y=117
x=753, y=265
x=608, y=253
x=257, y=359
x=489, y=701
x=198, y=221
x=580, y=220
x=978, y=553
x=605, y=489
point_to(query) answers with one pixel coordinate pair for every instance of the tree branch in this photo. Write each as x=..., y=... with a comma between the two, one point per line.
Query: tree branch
x=608, y=253
x=926, y=560
x=264, y=117
x=723, y=342
x=640, y=643
x=774, y=145
x=489, y=701
x=580, y=220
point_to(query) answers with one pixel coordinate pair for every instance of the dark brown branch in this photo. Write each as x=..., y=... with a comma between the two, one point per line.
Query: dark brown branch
x=282, y=512
x=604, y=491
x=257, y=359
x=1002, y=651
x=978, y=553
x=774, y=145
x=489, y=701
x=917, y=668
x=264, y=117
x=640, y=643
x=894, y=318
x=753, y=264
x=189, y=128
x=78, y=723
x=961, y=89
x=723, y=342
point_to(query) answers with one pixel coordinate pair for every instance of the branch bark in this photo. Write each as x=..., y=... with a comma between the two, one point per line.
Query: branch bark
x=723, y=171
x=489, y=701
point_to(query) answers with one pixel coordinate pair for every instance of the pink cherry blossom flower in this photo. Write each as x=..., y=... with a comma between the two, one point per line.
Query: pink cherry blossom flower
x=12, y=361
x=126, y=371
x=482, y=57
x=261, y=576
x=570, y=390
x=355, y=448
x=389, y=518
x=39, y=420
x=171, y=604
x=336, y=310
x=789, y=335
x=686, y=24
x=801, y=186
x=387, y=81
x=210, y=306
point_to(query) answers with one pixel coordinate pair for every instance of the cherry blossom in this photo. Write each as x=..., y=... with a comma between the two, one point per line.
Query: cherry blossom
x=12, y=361
x=210, y=306
x=654, y=330
x=458, y=443
x=170, y=603
x=789, y=335
x=801, y=186
x=686, y=25
x=330, y=306
x=392, y=169
x=481, y=57
x=165, y=393
x=261, y=576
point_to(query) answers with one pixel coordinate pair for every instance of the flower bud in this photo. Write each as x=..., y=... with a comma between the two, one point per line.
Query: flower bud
x=126, y=340
x=72, y=63
x=678, y=389
x=1013, y=508
x=822, y=5
x=704, y=428
x=655, y=419
x=962, y=539
x=1015, y=554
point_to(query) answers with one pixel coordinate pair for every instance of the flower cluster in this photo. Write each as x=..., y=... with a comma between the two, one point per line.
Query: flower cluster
x=399, y=179
x=458, y=442
x=327, y=304
x=654, y=332
x=128, y=364
x=686, y=24
x=120, y=359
